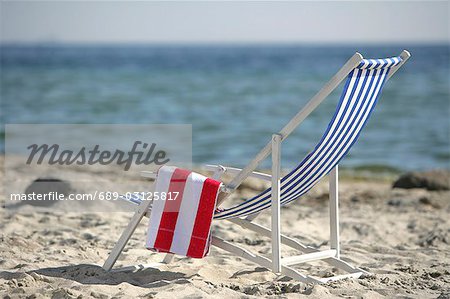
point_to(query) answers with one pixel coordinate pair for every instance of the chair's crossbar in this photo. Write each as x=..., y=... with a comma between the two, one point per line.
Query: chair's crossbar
x=308, y=257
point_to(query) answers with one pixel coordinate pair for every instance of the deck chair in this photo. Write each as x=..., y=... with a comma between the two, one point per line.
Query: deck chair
x=365, y=79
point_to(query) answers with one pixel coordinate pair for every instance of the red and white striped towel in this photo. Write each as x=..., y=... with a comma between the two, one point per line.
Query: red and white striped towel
x=181, y=223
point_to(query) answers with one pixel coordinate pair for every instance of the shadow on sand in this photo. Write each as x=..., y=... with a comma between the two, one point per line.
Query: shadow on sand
x=93, y=274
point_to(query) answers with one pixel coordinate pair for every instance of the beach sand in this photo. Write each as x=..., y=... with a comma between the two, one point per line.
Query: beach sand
x=401, y=236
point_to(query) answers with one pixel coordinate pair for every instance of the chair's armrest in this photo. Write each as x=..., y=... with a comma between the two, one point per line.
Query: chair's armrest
x=235, y=171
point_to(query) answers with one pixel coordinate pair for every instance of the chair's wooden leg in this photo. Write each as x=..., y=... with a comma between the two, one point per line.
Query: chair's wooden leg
x=276, y=174
x=334, y=211
x=168, y=258
x=126, y=235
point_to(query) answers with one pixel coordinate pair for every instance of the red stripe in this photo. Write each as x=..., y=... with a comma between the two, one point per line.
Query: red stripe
x=169, y=217
x=202, y=225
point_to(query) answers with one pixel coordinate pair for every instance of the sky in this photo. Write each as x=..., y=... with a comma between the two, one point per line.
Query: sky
x=224, y=22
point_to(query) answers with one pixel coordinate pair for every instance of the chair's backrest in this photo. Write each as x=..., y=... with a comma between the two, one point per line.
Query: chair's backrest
x=358, y=99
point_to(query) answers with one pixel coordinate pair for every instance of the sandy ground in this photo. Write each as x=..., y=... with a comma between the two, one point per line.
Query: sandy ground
x=400, y=236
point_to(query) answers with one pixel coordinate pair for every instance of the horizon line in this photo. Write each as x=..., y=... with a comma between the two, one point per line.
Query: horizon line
x=222, y=43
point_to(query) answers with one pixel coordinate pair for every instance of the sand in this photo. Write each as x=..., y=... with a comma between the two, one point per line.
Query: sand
x=400, y=236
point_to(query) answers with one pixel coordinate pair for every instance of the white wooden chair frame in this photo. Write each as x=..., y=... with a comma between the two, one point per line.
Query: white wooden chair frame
x=277, y=264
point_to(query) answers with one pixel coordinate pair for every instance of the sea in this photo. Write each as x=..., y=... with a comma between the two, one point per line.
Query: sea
x=235, y=97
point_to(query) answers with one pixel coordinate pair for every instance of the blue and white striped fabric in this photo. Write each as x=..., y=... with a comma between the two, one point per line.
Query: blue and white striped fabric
x=361, y=91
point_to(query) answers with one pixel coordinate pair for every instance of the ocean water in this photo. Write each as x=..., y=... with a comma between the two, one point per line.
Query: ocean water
x=235, y=97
